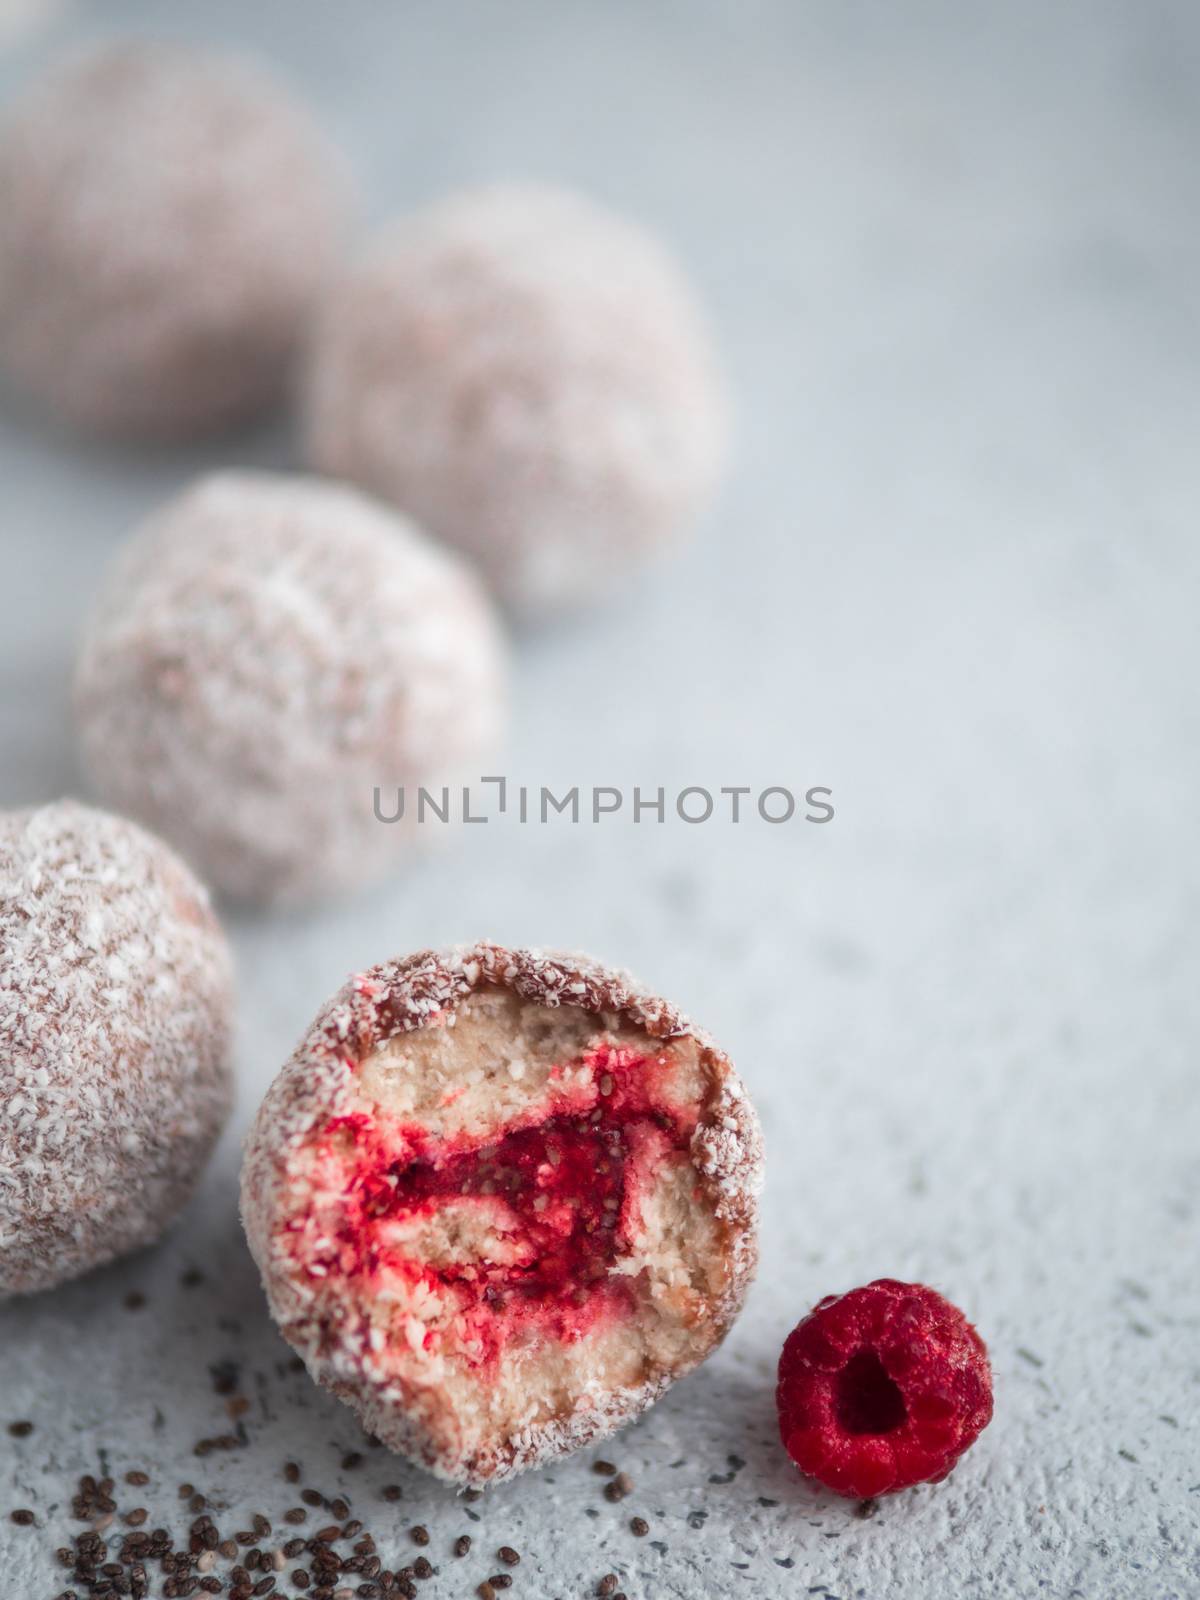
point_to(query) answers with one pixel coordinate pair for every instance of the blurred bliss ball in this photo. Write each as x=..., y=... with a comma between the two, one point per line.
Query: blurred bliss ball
x=116, y=1021
x=167, y=219
x=268, y=651
x=530, y=377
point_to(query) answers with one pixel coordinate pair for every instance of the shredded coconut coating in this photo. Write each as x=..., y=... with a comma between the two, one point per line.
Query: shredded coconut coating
x=532, y=379
x=266, y=652
x=424, y=990
x=167, y=220
x=116, y=1009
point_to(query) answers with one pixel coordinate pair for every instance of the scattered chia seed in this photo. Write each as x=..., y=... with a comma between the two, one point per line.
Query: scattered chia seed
x=607, y=1584
x=312, y=1498
x=135, y=1300
x=462, y=1544
x=604, y=1468
x=291, y=1472
x=866, y=1508
x=349, y=1462
x=508, y=1555
x=422, y=1567
x=22, y=1518
x=486, y=1591
x=471, y=1495
x=20, y=1430
x=500, y=1580
x=419, y=1534
x=639, y=1527
x=393, y=1492
x=620, y=1486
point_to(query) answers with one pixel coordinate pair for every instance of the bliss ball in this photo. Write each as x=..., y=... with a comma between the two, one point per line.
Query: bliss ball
x=267, y=653
x=501, y=1200
x=167, y=219
x=116, y=1011
x=530, y=377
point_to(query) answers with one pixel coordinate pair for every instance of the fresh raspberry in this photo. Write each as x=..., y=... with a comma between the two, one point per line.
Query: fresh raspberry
x=881, y=1388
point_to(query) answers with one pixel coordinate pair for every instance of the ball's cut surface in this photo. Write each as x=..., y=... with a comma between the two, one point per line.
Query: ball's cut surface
x=115, y=1023
x=531, y=378
x=167, y=219
x=500, y=1201
x=267, y=652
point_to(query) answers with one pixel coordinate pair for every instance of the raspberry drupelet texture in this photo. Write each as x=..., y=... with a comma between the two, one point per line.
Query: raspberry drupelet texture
x=882, y=1388
x=501, y=1200
x=266, y=653
x=530, y=377
x=116, y=1014
x=167, y=219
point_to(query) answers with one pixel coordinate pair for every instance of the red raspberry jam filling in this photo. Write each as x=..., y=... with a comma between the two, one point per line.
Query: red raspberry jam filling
x=562, y=1192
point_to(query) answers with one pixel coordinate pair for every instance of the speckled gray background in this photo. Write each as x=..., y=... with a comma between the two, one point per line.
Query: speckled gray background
x=953, y=254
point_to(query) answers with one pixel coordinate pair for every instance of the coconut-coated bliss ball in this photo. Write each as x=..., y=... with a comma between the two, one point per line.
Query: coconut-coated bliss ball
x=530, y=377
x=267, y=652
x=167, y=219
x=501, y=1200
x=116, y=1010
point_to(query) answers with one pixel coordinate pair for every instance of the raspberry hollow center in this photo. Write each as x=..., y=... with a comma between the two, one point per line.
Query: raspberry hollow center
x=867, y=1400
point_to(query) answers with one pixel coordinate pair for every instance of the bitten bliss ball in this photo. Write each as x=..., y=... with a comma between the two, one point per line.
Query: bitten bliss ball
x=500, y=1201
x=267, y=652
x=882, y=1388
x=115, y=1023
x=531, y=378
x=166, y=220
